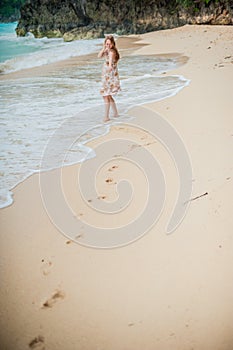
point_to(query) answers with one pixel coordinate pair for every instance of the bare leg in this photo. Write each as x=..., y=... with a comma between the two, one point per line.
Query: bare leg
x=107, y=108
x=114, y=107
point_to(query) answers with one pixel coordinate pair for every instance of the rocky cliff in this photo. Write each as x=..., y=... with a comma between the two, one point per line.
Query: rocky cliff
x=77, y=19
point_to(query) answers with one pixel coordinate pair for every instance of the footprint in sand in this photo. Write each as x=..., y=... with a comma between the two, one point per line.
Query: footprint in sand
x=58, y=295
x=101, y=197
x=113, y=168
x=109, y=180
x=80, y=235
x=37, y=343
x=46, y=267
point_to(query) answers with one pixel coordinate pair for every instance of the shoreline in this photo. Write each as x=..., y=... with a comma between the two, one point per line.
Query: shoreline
x=154, y=293
x=127, y=45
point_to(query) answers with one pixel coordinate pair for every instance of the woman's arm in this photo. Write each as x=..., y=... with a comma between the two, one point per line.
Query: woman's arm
x=102, y=52
x=111, y=58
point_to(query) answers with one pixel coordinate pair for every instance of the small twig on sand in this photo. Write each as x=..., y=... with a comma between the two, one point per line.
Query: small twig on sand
x=194, y=198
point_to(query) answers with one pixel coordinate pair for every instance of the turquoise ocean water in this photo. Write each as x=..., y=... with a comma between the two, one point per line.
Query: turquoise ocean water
x=33, y=107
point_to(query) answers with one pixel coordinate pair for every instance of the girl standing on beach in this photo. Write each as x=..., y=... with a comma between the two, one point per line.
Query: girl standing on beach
x=110, y=77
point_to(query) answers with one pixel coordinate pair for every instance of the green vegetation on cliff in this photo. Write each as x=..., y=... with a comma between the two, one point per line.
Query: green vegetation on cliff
x=77, y=19
x=10, y=9
x=197, y=4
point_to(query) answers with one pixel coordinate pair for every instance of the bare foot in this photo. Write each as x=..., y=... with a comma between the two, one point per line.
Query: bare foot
x=116, y=116
x=106, y=120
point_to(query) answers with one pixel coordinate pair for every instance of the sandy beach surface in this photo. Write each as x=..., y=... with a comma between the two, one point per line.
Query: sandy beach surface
x=162, y=291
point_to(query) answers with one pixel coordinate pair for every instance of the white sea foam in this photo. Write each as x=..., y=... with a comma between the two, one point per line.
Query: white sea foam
x=55, y=51
x=27, y=52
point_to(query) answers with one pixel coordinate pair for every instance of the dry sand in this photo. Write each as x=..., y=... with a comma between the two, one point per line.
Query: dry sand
x=161, y=292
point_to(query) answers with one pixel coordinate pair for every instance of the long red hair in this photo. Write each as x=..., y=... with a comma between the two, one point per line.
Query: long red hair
x=111, y=38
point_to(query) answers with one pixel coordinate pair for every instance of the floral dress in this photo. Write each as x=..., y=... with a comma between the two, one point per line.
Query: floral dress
x=110, y=78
